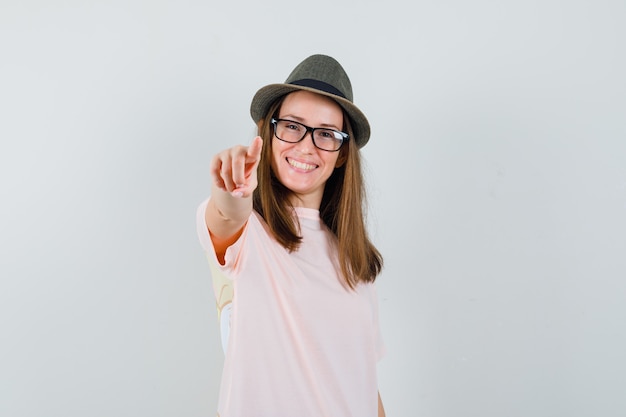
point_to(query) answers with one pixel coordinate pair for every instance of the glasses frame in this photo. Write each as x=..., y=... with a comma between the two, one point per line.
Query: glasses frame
x=344, y=136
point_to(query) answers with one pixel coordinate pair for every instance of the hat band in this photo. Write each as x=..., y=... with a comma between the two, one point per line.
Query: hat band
x=318, y=85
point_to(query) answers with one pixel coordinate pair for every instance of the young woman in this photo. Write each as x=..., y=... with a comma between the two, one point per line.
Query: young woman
x=284, y=230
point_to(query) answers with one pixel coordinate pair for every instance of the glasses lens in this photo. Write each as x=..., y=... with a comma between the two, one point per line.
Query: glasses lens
x=327, y=139
x=289, y=131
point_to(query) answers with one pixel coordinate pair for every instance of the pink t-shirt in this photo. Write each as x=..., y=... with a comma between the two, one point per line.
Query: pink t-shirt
x=300, y=343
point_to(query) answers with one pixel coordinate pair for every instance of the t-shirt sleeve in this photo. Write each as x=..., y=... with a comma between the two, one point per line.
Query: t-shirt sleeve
x=202, y=229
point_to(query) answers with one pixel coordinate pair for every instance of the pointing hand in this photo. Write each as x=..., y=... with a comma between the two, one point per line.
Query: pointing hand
x=234, y=170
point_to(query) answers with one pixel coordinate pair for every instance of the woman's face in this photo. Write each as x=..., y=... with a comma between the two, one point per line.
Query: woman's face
x=302, y=167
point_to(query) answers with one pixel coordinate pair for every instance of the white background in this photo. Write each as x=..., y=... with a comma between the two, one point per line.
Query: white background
x=497, y=178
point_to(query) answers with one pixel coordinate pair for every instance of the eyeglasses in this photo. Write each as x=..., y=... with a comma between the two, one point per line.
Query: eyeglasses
x=325, y=139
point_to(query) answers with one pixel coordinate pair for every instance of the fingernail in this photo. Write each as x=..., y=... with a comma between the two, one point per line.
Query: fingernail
x=237, y=194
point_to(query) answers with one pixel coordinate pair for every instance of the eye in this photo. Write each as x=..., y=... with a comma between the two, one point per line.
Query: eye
x=292, y=126
x=326, y=134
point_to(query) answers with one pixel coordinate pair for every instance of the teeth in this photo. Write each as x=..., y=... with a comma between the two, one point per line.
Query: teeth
x=301, y=165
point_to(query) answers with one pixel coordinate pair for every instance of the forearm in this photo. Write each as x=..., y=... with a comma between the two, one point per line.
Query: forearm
x=226, y=214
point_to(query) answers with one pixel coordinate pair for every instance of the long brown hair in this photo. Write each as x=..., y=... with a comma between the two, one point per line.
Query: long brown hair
x=342, y=208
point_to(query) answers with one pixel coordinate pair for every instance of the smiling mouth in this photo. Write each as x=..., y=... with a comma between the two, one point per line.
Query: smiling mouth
x=301, y=165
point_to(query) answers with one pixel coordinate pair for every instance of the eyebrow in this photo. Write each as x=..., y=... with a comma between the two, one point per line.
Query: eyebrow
x=301, y=120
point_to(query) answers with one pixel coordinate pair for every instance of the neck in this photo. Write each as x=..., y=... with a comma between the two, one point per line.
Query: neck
x=306, y=201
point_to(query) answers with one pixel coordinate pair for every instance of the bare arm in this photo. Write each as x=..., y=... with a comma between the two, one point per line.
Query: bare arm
x=234, y=179
x=381, y=410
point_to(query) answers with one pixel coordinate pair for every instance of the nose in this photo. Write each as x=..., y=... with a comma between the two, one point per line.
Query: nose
x=306, y=145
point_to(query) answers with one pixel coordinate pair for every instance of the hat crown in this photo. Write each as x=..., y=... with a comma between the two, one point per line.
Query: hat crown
x=325, y=73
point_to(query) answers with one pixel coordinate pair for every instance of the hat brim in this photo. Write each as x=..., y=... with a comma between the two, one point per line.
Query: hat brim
x=267, y=95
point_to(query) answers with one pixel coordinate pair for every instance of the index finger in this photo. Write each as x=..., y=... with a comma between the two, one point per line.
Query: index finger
x=254, y=150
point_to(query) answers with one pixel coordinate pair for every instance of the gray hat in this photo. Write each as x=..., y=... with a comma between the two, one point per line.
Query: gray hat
x=319, y=74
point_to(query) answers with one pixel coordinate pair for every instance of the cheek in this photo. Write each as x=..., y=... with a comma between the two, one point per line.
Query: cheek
x=275, y=158
x=333, y=160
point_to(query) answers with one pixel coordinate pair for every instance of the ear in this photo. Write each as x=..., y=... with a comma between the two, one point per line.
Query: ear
x=343, y=157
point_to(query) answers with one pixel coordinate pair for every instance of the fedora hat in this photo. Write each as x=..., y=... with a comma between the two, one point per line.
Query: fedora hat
x=319, y=74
